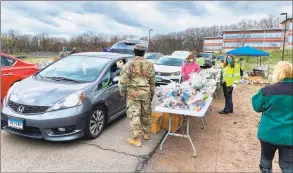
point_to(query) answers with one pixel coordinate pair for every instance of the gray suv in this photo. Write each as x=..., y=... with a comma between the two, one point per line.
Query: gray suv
x=127, y=46
x=71, y=98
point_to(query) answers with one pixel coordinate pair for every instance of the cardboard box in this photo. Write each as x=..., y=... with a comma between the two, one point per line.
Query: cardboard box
x=176, y=121
x=156, y=118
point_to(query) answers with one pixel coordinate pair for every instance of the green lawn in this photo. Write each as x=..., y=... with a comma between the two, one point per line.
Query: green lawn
x=36, y=60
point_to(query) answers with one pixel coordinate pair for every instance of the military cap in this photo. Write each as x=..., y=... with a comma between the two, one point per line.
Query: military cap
x=139, y=47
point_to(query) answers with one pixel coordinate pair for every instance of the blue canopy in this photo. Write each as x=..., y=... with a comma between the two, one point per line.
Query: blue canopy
x=248, y=51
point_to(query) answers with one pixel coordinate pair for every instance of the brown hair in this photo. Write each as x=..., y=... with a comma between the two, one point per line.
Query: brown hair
x=282, y=71
x=233, y=61
x=190, y=56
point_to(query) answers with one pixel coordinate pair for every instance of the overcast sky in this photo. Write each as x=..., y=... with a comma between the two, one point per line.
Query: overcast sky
x=129, y=17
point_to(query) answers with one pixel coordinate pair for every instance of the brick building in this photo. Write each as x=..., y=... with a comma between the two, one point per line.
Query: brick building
x=213, y=44
x=289, y=33
x=268, y=39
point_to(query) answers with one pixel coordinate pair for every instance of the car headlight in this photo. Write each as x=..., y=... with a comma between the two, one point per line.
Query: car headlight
x=74, y=99
x=6, y=98
x=176, y=73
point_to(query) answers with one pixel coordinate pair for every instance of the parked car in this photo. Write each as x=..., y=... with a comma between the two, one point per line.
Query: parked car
x=210, y=59
x=153, y=56
x=71, y=98
x=182, y=54
x=127, y=46
x=168, y=68
x=221, y=57
x=14, y=70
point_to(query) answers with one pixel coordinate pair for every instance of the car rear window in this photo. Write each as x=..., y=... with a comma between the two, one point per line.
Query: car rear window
x=5, y=61
x=170, y=61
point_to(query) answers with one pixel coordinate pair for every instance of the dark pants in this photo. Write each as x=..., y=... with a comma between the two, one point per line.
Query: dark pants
x=241, y=73
x=228, y=97
x=267, y=156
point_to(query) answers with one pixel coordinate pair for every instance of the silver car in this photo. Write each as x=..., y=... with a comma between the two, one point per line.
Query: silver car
x=71, y=98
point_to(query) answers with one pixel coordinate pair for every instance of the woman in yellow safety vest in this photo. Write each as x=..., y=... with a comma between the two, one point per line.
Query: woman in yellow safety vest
x=229, y=78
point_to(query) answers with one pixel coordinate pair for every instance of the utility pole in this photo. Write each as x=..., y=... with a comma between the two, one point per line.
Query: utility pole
x=150, y=36
x=284, y=35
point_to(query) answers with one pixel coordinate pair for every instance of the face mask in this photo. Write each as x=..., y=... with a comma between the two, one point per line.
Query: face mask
x=191, y=60
x=229, y=61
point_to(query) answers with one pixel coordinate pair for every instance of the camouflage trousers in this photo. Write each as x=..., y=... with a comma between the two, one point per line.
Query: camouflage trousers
x=139, y=113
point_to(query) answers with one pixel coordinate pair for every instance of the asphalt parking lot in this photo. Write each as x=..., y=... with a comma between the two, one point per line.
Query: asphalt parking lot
x=108, y=153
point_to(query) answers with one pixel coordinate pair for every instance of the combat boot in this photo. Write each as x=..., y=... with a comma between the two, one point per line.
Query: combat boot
x=135, y=142
x=146, y=136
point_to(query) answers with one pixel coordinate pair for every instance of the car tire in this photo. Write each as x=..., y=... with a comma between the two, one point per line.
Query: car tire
x=95, y=123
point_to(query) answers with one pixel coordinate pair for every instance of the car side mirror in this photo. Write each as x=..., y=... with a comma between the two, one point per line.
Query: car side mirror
x=115, y=80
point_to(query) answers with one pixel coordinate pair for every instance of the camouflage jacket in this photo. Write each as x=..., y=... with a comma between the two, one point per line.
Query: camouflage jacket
x=137, y=80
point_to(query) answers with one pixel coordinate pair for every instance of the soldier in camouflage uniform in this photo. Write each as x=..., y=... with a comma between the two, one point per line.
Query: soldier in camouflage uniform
x=137, y=83
x=63, y=53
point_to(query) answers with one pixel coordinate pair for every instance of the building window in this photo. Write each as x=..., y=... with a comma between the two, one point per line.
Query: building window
x=289, y=26
x=213, y=41
x=254, y=44
x=273, y=35
x=213, y=47
x=256, y=35
x=290, y=39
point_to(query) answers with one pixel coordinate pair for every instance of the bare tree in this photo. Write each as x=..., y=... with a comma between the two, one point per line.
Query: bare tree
x=190, y=39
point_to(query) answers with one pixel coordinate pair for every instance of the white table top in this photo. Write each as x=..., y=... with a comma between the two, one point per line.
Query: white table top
x=201, y=113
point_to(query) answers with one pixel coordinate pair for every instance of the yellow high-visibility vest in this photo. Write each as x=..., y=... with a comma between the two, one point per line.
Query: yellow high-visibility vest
x=231, y=75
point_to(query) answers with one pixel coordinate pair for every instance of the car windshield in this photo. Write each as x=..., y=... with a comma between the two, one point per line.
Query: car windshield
x=170, y=61
x=151, y=56
x=75, y=68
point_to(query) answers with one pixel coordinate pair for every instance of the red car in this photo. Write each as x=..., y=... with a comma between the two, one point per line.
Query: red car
x=14, y=70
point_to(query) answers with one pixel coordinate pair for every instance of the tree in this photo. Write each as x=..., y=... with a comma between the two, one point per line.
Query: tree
x=191, y=39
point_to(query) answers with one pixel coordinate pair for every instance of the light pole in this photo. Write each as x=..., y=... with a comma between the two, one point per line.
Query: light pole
x=150, y=35
x=284, y=35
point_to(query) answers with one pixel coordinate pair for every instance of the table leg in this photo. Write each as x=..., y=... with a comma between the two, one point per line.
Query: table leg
x=168, y=133
x=188, y=127
x=202, y=123
x=206, y=121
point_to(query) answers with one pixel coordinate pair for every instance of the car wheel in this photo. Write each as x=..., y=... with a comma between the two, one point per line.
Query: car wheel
x=95, y=123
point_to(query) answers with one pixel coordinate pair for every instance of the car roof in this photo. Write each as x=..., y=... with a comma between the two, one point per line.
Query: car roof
x=108, y=55
x=133, y=41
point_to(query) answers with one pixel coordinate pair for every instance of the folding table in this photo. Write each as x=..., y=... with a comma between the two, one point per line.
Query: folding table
x=188, y=113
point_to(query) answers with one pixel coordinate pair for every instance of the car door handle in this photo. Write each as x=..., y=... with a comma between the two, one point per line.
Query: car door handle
x=7, y=74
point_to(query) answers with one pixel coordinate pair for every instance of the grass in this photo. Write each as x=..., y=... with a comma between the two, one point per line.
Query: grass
x=36, y=60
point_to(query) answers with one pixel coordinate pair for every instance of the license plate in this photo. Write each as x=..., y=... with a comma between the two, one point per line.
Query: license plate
x=158, y=79
x=15, y=123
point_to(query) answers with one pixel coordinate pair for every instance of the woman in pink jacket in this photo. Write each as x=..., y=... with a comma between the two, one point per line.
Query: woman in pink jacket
x=189, y=67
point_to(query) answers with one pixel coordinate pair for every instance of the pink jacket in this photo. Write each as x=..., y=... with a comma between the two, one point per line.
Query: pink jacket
x=188, y=68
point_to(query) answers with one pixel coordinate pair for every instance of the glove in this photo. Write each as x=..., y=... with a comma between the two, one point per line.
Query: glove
x=234, y=86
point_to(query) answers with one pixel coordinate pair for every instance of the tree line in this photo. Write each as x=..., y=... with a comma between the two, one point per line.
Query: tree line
x=191, y=39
